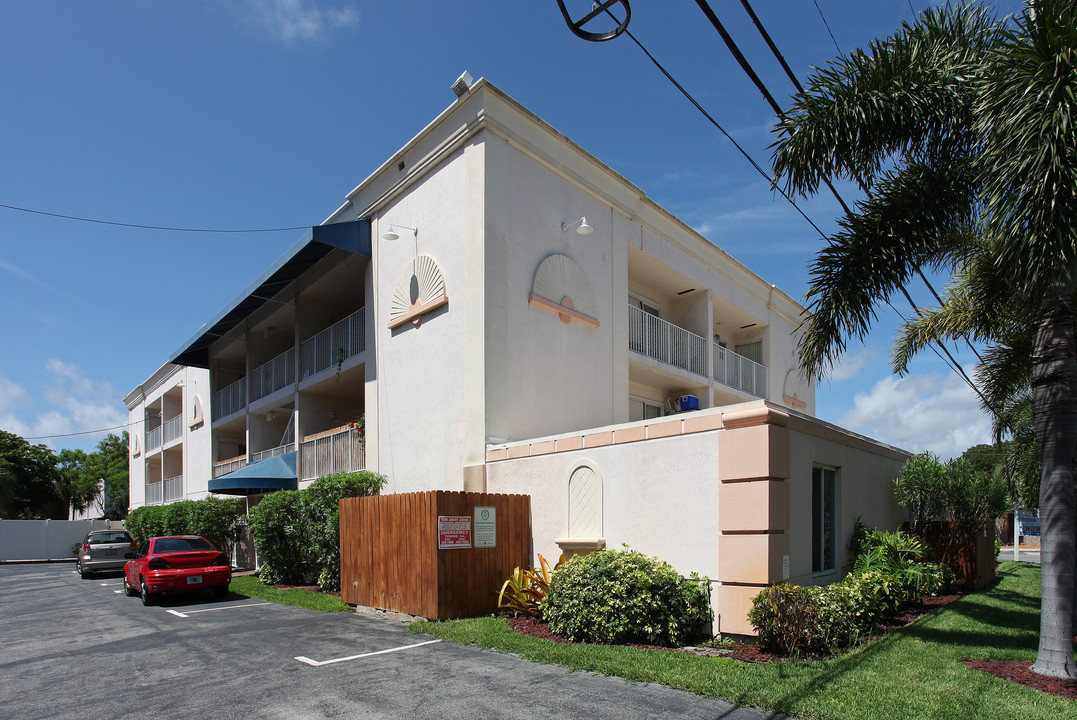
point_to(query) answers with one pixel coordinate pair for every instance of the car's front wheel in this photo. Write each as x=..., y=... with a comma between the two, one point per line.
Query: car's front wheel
x=83, y=572
x=147, y=599
x=127, y=589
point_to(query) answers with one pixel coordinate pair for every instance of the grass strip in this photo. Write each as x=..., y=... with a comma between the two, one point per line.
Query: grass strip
x=911, y=673
x=251, y=586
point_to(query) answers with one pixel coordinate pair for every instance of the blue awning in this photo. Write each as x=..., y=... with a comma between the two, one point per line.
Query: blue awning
x=274, y=473
x=352, y=236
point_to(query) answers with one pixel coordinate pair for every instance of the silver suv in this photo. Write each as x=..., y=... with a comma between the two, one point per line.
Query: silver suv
x=104, y=550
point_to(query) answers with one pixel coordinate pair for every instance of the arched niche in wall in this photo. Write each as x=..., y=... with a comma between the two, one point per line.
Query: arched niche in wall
x=136, y=447
x=197, y=415
x=794, y=392
x=584, y=512
x=560, y=286
x=420, y=289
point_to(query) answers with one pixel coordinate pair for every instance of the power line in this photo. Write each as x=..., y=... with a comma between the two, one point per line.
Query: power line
x=83, y=432
x=148, y=227
x=827, y=26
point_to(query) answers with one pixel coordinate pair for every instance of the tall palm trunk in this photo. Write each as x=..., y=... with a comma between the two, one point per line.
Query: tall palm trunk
x=1054, y=386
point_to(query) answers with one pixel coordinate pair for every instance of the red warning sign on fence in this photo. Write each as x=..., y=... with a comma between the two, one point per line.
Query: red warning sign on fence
x=454, y=532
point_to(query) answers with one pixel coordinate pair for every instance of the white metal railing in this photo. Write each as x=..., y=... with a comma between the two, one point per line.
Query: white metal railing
x=174, y=488
x=334, y=345
x=739, y=372
x=273, y=375
x=338, y=452
x=230, y=399
x=154, y=494
x=228, y=466
x=665, y=342
x=174, y=428
x=153, y=439
x=279, y=450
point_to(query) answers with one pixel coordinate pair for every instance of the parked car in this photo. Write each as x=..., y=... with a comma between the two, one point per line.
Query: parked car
x=104, y=550
x=176, y=563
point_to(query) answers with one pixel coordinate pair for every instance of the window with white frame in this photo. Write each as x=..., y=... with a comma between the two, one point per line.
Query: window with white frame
x=824, y=484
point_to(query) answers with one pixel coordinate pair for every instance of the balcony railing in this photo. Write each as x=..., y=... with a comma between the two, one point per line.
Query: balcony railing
x=153, y=439
x=333, y=452
x=154, y=493
x=223, y=468
x=230, y=399
x=739, y=372
x=273, y=375
x=174, y=488
x=334, y=345
x=174, y=429
x=665, y=342
x=279, y=450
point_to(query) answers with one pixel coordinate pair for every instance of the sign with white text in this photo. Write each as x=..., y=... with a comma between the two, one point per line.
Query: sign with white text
x=454, y=532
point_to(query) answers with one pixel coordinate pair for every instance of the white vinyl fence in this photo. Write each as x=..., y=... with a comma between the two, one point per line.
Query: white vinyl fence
x=46, y=539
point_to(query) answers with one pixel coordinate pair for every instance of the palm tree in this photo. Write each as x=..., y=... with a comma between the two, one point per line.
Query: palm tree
x=960, y=130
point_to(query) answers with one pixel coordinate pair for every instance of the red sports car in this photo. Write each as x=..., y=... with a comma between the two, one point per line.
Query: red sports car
x=177, y=563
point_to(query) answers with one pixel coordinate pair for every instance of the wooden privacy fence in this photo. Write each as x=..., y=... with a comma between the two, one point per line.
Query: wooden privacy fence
x=393, y=552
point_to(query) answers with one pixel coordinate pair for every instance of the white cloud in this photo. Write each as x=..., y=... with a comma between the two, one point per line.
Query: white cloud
x=294, y=21
x=69, y=403
x=924, y=412
x=849, y=365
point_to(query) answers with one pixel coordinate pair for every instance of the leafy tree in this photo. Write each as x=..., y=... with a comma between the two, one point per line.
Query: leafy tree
x=955, y=491
x=31, y=478
x=960, y=130
x=108, y=465
x=77, y=489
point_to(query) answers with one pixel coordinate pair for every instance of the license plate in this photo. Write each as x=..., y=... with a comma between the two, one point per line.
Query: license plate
x=110, y=552
x=194, y=579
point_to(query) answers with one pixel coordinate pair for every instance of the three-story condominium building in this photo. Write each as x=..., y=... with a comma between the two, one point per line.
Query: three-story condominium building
x=508, y=314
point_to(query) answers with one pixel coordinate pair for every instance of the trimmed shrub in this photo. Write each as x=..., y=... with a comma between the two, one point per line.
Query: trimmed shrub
x=323, y=507
x=216, y=519
x=785, y=616
x=622, y=596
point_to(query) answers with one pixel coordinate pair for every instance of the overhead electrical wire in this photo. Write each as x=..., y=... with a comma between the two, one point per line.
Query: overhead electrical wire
x=82, y=432
x=149, y=227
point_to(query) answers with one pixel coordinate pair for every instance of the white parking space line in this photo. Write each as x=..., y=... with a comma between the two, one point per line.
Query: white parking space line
x=216, y=609
x=319, y=663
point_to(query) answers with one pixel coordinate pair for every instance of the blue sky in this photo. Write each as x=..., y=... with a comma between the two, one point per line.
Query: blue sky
x=261, y=114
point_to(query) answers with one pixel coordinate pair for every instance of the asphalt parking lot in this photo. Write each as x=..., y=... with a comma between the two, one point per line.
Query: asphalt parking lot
x=74, y=648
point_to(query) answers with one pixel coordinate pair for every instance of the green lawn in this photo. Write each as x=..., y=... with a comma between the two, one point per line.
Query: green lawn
x=911, y=673
x=250, y=586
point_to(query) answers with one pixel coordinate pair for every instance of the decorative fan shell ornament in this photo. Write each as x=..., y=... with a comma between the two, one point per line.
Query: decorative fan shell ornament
x=561, y=287
x=419, y=289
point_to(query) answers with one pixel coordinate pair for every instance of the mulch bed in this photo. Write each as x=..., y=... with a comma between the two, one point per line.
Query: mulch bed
x=1013, y=670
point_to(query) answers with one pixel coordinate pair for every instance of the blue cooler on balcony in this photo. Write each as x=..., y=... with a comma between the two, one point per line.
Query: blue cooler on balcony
x=689, y=402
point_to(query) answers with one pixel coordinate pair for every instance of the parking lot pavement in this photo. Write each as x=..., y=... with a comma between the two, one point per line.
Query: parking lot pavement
x=81, y=648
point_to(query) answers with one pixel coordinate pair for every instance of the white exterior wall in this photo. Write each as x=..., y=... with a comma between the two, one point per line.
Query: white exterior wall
x=660, y=497
x=428, y=378
x=196, y=442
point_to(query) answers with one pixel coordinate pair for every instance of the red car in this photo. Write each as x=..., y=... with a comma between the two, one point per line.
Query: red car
x=177, y=563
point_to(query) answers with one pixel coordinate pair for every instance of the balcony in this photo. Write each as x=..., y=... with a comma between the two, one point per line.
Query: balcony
x=153, y=439
x=274, y=375
x=154, y=493
x=334, y=451
x=173, y=488
x=665, y=342
x=272, y=452
x=230, y=399
x=173, y=429
x=739, y=372
x=334, y=345
x=226, y=466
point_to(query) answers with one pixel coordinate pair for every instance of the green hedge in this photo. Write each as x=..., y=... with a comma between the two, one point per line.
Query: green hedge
x=298, y=531
x=622, y=596
x=216, y=519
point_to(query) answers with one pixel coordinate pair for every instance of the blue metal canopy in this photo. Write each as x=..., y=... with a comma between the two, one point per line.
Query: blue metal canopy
x=352, y=236
x=273, y=473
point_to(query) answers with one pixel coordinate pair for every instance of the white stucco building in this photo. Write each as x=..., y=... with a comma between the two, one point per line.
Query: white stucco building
x=511, y=315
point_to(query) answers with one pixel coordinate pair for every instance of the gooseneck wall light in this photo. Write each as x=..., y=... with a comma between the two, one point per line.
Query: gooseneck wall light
x=582, y=228
x=392, y=234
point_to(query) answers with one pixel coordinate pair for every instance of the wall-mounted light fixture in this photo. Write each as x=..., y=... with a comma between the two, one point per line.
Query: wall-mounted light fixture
x=583, y=229
x=462, y=85
x=392, y=234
